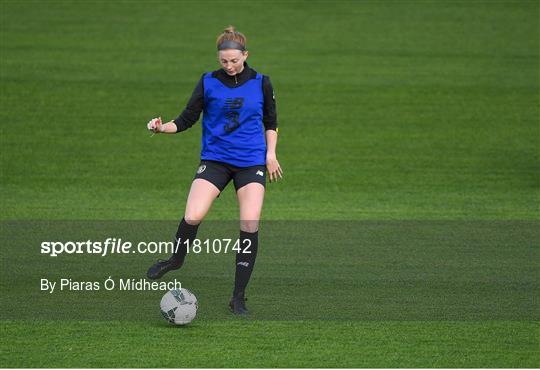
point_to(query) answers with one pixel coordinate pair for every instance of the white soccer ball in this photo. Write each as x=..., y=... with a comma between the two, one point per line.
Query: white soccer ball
x=179, y=306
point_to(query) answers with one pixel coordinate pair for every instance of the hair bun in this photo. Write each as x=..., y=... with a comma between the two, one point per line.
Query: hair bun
x=231, y=34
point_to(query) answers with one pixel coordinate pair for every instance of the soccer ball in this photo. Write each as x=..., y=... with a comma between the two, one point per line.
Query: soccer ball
x=179, y=306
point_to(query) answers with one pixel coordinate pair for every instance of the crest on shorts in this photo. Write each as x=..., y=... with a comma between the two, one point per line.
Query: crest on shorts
x=201, y=169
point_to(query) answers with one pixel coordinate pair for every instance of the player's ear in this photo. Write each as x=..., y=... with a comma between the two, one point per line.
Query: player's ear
x=246, y=54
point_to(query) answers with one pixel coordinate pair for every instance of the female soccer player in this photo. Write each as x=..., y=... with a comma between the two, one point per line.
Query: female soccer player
x=238, y=143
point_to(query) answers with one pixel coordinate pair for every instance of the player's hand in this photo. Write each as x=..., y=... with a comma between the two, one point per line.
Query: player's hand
x=274, y=169
x=154, y=125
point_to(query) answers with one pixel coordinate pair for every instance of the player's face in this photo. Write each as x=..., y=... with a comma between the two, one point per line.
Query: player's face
x=232, y=60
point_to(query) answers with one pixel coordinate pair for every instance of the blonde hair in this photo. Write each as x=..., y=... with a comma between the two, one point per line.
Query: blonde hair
x=231, y=34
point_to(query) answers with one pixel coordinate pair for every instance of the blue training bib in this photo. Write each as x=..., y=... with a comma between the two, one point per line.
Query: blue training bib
x=233, y=130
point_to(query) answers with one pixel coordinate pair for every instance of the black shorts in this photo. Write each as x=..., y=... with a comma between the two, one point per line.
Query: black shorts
x=220, y=174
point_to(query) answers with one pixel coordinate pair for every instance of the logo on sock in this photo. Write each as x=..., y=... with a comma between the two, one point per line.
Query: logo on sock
x=245, y=264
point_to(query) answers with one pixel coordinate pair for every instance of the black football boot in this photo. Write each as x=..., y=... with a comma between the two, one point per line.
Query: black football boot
x=161, y=267
x=237, y=305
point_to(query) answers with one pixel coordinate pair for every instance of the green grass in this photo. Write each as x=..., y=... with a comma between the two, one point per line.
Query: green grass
x=388, y=110
x=409, y=137
x=325, y=293
x=273, y=343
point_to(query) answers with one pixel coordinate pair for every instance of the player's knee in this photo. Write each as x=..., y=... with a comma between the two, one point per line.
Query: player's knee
x=249, y=226
x=192, y=221
x=194, y=217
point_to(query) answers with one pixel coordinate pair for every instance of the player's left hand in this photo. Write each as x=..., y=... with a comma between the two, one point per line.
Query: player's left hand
x=274, y=169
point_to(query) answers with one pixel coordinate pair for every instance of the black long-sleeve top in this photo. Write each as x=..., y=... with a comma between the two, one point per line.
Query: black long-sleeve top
x=195, y=105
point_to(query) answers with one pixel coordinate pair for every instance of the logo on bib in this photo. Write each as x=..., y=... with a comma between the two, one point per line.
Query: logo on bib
x=232, y=114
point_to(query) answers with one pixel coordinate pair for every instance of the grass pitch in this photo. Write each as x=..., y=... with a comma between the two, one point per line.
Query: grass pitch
x=408, y=213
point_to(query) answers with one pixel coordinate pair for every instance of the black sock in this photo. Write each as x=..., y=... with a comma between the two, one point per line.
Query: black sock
x=245, y=261
x=185, y=232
